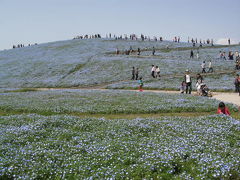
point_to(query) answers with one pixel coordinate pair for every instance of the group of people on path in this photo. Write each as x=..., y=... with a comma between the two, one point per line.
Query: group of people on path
x=186, y=85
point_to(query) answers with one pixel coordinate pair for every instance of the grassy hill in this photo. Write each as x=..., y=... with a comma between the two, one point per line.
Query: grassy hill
x=88, y=62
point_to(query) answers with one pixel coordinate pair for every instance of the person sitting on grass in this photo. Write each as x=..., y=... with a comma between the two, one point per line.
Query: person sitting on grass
x=140, y=82
x=222, y=109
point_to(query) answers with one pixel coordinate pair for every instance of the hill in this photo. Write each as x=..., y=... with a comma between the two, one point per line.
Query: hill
x=89, y=62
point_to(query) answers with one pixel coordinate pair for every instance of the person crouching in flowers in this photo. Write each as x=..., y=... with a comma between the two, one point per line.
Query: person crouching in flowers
x=222, y=109
x=140, y=82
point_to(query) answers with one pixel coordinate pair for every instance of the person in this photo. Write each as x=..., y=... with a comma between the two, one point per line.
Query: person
x=140, y=82
x=237, y=84
x=229, y=41
x=157, y=71
x=197, y=55
x=198, y=86
x=191, y=54
x=188, y=80
x=136, y=74
x=139, y=51
x=131, y=49
x=237, y=64
x=133, y=73
x=230, y=55
x=203, y=67
x=199, y=83
x=183, y=87
x=220, y=55
x=222, y=109
x=224, y=56
x=204, y=90
x=153, y=71
x=153, y=51
x=199, y=78
x=210, y=69
x=117, y=51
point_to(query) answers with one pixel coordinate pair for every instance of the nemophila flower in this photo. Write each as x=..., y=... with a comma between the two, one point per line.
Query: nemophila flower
x=67, y=101
x=117, y=148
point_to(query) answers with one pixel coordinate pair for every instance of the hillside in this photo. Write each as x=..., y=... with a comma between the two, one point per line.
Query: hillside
x=88, y=62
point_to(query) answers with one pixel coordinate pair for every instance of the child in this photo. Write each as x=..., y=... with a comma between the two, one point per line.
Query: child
x=183, y=87
x=140, y=82
x=222, y=109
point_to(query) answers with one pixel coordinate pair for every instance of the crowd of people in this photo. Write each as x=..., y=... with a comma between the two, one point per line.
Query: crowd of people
x=87, y=36
x=22, y=45
x=231, y=55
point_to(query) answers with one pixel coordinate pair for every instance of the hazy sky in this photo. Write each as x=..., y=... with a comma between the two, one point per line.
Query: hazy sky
x=30, y=21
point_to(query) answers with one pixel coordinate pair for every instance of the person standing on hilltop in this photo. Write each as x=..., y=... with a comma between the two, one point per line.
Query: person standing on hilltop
x=229, y=41
x=133, y=73
x=188, y=80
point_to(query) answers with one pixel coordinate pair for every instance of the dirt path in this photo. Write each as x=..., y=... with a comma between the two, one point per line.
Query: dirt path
x=233, y=98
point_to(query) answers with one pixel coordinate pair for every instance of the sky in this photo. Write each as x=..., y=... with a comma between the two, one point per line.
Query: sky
x=41, y=21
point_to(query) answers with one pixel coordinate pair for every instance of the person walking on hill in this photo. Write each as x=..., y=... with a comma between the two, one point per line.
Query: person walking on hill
x=157, y=72
x=191, y=54
x=210, y=69
x=133, y=73
x=203, y=67
x=197, y=54
x=136, y=74
x=153, y=71
x=188, y=80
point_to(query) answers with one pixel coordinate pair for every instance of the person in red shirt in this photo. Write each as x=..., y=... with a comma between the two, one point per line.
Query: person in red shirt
x=222, y=109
